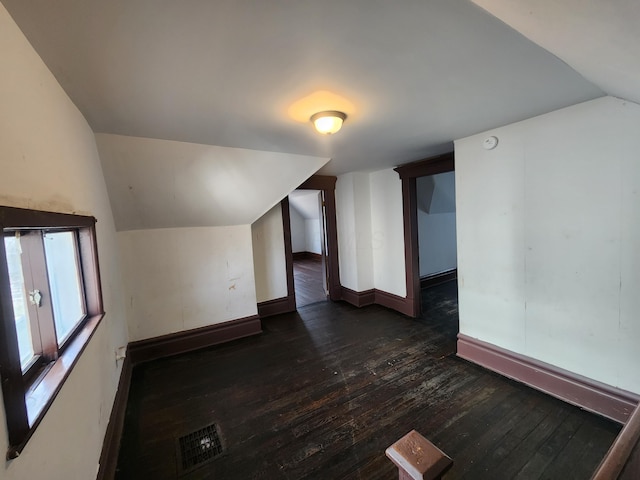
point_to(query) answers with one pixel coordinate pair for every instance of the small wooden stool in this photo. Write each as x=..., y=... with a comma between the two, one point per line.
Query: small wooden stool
x=417, y=458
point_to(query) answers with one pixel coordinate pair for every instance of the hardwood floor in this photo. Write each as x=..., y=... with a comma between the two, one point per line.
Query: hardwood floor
x=321, y=394
x=307, y=278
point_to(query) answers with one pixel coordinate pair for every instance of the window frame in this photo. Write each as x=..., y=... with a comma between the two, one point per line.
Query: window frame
x=80, y=278
x=47, y=346
x=27, y=397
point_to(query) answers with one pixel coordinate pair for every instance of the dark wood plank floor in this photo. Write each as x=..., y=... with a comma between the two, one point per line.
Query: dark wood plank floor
x=307, y=277
x=321, y=394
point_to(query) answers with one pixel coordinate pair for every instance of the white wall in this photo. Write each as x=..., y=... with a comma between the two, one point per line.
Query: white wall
x=298, y=231
x=437, y=242
x=49, y=161
x=436, y=223
x=548, y=235
x=387, y=229
x=353, y=216
x=313, y=235
x=306, y=233
x=370, y=231
x=268, y=255
x=183, y=278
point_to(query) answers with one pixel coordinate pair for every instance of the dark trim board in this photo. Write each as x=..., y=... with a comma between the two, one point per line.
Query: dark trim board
x=428, y=166
x=394, y=302
x=438, y=278
x=411, y=246
x=277, y=306
x=288, y=248
x=359, y=299
x=589, y=394
x=307, y=256
x=111, y=444
x=331, y=231
x=319, y=182
x=188, y=340
x=378, y=297
x=623, y=458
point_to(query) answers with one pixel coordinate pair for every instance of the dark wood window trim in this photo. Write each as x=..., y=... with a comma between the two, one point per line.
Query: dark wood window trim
x=408, y=174
x=26, y=401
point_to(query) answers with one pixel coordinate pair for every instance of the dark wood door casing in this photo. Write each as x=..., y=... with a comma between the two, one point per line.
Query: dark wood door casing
x=288, y=254
x=327, y=184
x=408, y=175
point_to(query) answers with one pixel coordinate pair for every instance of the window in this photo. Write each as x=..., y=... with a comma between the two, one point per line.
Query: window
x=50, y=304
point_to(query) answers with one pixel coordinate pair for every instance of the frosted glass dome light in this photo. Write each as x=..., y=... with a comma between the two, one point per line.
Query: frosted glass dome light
x=328, y=122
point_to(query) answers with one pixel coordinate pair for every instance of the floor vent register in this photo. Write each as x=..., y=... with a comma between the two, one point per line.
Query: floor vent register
x=198, y=448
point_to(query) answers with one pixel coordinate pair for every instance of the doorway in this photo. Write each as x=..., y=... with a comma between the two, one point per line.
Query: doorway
x=309, y=246
x=431, y=282
x=436, y=211
x=408, y=175
x=437, y=254
x=326, y=185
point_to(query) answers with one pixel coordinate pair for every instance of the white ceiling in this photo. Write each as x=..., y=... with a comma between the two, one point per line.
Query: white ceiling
x=417, y=73
x=599, y=38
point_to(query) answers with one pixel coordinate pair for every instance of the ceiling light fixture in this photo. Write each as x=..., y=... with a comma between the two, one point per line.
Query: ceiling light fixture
x=328, y=122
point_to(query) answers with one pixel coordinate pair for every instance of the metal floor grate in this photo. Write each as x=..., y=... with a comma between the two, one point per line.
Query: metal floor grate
x=198, y=447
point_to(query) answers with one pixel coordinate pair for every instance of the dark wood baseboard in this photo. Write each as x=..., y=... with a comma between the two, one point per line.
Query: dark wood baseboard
x=369, y=297
x=306, y=256
x=277, y=306
x=188, y=340
x=111, y=443
x=438, y=278
x=589, y=394
x=359, y=299
x=394, y=302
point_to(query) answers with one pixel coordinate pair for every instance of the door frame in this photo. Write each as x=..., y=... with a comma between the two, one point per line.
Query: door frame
x=408, y=175
x=326, y=184
x=287, y=304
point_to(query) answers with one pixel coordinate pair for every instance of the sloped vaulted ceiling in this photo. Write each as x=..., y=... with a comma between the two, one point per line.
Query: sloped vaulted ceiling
x=161, y=183
x=600, y=38
x=419, y=73
x=207, y=86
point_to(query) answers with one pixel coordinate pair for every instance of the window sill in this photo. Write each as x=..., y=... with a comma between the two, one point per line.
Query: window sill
x=41, y=394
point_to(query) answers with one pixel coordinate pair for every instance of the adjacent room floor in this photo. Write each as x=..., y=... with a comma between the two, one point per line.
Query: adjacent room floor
x=307, y=278
x=321, y=394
